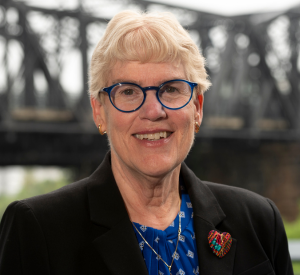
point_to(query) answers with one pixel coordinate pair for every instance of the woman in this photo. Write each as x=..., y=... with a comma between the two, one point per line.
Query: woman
x=143, y=211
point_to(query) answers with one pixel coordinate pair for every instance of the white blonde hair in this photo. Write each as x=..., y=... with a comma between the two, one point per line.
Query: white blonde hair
x=145, y=37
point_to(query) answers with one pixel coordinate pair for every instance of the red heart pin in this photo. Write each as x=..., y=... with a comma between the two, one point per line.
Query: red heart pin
x=220, y=243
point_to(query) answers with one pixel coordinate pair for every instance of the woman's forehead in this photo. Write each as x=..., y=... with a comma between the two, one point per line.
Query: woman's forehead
x=137, y=72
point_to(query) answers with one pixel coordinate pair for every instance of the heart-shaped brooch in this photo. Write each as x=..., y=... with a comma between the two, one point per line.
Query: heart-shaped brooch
x=220, y=243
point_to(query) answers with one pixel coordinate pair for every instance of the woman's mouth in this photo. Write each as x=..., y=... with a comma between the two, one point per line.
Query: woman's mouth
x=153, y=136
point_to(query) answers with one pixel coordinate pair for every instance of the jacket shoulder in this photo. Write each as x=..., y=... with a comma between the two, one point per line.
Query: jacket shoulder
x=241, y=201
x=221, y=191
x=69, y=201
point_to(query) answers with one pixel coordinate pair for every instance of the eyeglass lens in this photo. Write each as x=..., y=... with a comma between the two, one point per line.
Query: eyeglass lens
x=128, y=97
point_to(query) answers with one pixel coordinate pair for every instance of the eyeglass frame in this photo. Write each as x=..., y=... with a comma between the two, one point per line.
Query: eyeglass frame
x=144, y=89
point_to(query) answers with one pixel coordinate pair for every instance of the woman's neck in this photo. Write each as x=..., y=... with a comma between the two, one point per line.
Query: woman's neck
x=151, y=201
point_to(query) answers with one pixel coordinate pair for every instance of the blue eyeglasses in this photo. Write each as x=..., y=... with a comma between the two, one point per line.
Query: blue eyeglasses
x=128, y=97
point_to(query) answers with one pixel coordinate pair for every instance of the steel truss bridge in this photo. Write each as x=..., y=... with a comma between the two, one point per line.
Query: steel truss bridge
x=45, y=115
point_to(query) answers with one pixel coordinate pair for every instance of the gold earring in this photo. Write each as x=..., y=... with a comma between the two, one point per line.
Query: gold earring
x=99, y=129
x=197, y=127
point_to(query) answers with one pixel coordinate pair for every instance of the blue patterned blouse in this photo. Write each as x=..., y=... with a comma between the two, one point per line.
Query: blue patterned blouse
x=164, y=243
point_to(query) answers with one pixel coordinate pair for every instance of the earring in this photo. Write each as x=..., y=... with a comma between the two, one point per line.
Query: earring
x=197, y=127
x=99, y=129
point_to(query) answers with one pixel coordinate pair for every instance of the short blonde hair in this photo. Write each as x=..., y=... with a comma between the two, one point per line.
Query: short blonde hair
x=145, y=37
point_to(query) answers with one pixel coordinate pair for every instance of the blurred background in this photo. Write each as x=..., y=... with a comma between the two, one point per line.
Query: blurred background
x=250, y=136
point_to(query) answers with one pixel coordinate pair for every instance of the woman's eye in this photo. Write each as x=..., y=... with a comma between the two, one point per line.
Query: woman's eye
x=169, y=89
x=128, y=92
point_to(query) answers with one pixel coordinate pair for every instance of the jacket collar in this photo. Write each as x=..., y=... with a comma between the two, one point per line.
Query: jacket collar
x=106, y=204
x=118, y=246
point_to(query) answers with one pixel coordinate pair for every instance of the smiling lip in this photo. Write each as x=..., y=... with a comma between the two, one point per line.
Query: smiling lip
x=153, y=135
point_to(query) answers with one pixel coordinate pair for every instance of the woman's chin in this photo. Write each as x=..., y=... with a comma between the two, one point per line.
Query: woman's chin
x=156, y=165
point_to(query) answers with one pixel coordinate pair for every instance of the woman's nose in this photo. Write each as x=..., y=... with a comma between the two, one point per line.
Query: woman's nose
x=152, y=109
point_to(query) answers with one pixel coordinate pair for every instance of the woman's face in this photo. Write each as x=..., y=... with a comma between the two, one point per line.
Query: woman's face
x=148, y=156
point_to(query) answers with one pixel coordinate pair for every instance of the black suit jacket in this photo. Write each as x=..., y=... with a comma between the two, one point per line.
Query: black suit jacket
x=84, y=228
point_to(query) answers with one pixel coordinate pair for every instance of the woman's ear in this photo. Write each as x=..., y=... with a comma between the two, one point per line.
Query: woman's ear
x=199, y=108
x=98, y=112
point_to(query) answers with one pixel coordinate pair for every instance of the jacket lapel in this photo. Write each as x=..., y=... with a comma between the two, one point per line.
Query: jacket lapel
x=120, y=251
x=207, y=216
x=118, y=246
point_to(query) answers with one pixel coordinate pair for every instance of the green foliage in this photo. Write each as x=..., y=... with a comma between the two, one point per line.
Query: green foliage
x=296, y=267
x=293, y=228
x=33, y=188
x=293, y=232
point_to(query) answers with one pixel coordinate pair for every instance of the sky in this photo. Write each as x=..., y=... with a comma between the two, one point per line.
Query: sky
x=234, y=7
x=228, y=7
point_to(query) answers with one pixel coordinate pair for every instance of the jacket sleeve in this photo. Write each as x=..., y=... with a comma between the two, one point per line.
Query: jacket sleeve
x=281, y=257
x=23, y=247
